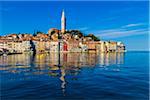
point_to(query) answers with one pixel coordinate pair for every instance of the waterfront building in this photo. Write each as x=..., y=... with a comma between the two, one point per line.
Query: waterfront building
x=103, y=46
x=54, y=46
x=40, y=46
x=9, y=45
x=91, y=46
x=107, y=46
x=2, y=44
x=83, y=47
x=26, y=46
x=54, y=36
x=120, y=47
x=42, y=36
x=65, y=46
x=98, y=47
x=20, y=36
x=17, y=47
x=73, y=46
x=27, y=36
x=12, y=36
x=111, y=46
x=47, y=45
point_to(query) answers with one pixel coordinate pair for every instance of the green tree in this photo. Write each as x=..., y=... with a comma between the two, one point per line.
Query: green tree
x=39, y=32
x=77, y=32
x=93, y=37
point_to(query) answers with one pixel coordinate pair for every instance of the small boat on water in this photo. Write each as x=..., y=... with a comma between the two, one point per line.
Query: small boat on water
x=5, y=54
x=1, y=53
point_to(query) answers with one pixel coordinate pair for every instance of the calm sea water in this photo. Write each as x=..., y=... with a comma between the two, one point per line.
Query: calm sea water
x=81, y=76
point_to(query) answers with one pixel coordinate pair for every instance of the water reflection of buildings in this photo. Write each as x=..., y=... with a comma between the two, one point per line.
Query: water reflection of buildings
x=74, y=60
x=111, y=58
x=58, y=65
x=70, y=61
x=13, y=60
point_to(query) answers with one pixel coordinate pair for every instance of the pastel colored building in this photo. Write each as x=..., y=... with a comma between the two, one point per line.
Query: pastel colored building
x=54, y=46
x=26, y=46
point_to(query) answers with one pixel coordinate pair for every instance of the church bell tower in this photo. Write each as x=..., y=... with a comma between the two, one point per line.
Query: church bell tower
x=63, y=22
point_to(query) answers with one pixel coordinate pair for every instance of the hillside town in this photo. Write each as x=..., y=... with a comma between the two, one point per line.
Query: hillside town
x=56, y=40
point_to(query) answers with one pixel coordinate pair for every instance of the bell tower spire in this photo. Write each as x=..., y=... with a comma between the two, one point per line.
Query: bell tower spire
x=63, y=22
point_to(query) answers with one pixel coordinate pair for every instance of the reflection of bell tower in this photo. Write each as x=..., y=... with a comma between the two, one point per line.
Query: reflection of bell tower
x=63, y=22
x=63, y=81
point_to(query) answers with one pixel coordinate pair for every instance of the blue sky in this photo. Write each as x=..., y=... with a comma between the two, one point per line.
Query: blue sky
x=125, y=21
